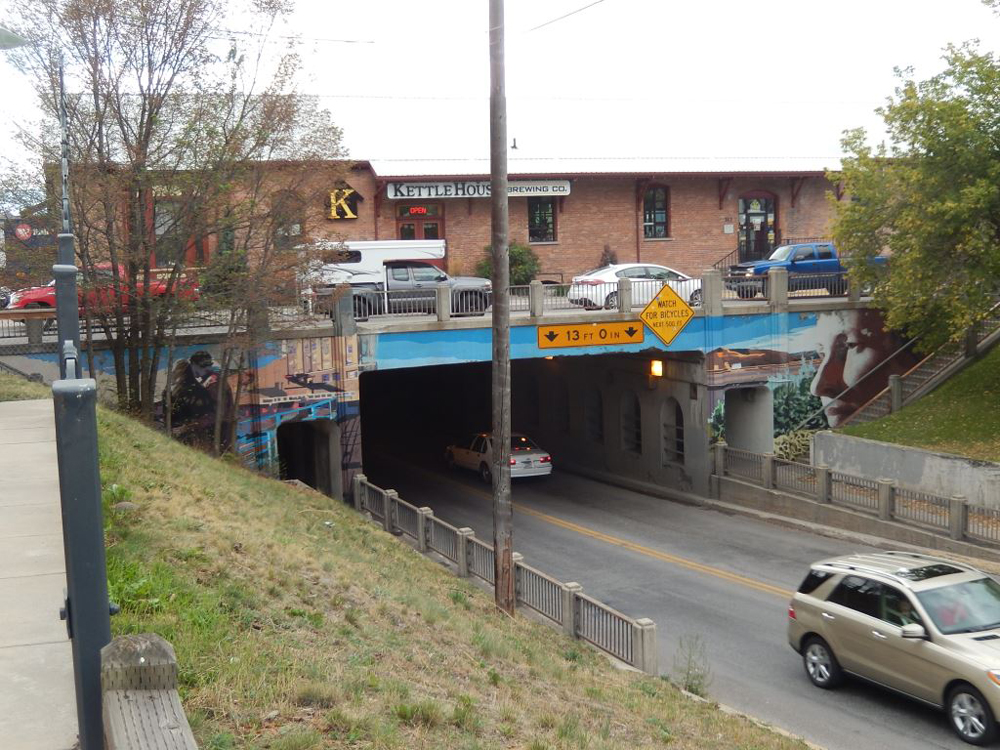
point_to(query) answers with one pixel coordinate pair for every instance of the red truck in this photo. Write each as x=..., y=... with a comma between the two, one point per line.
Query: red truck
x=101, y=293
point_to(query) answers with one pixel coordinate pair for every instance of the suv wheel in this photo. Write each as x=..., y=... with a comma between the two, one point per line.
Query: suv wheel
x=821, y=665
x=485, y=473
x=970, y=715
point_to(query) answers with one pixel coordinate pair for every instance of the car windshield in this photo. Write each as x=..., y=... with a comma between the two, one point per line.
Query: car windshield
x=521, y=443
x=964, y=607
x=781, y=253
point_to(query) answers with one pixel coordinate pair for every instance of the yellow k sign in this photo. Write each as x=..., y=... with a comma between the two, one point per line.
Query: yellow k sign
x=338, y=202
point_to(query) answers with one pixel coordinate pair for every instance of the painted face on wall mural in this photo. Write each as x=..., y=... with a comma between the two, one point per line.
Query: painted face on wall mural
x=852, y=343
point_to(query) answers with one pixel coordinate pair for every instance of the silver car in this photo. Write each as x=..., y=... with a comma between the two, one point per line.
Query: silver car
x=476, y=453
x=922, y=626
x=599, y=287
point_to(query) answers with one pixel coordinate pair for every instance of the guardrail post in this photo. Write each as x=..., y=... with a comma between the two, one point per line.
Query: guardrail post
x=853, y=291
x=462, y=551
x=570, y=610
x=536, y=298
x=87, y=609
x=517, y=557
x=644, y=646
x=767, y=471
x=357, y=486
x=720, y=458
x=67, y=302
x=895, y=393
x=35, y=327
x=389, y=509
x=443, y=302
x=624, y=295
x=711, y=291
x=823, y=493
x=958, y=517
x=423, y=527
x=972, y=341
x=886, y=499
x=777, y=289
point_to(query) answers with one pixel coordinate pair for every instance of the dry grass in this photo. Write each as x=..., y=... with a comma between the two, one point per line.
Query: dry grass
x=299, y=625
x=18, y=389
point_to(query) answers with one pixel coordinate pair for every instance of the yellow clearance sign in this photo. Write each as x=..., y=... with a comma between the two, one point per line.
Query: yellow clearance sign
x=589, y=334
x=666, y=315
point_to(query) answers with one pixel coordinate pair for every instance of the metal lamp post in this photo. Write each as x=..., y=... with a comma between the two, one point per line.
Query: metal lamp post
x=86, y=609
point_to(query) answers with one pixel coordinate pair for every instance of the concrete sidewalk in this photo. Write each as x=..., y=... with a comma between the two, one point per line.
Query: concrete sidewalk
x=37, y=700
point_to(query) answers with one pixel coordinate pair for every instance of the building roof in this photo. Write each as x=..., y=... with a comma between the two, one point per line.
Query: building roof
x=553, y=166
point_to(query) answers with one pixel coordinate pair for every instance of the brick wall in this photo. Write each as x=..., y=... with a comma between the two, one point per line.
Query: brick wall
x=600, y=210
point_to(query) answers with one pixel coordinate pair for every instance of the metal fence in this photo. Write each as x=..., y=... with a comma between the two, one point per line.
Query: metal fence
x=829, y=284
x=983, y=524
x=539, y=592
x=742, y=286
x=854, y=491
x=632, y=641
x=604, y=627
x=793, y=476
x=921, y=508
x=953, y=516
x=744, y=464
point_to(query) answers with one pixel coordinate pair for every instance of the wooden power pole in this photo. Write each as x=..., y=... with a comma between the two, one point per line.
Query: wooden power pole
x=503, y=516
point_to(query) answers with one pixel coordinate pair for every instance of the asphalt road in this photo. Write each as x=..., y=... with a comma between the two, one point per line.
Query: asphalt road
x=693, y=571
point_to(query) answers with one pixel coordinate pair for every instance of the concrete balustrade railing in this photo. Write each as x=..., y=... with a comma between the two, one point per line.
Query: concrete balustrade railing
x=951, y=517
x=633, y=641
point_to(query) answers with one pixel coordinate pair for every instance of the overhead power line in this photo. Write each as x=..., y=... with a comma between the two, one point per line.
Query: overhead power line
x=567, y=15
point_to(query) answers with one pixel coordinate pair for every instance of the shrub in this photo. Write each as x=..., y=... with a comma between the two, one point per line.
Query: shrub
x=524, y=264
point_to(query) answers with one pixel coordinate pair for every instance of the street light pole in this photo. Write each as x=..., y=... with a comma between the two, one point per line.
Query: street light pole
x=503, y=536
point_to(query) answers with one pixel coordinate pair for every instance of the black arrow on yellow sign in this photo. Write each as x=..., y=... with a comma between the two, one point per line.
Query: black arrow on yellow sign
x=631, y=331
x=551, y=335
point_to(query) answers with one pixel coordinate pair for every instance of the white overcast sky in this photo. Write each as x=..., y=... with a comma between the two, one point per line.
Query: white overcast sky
x=620, y=78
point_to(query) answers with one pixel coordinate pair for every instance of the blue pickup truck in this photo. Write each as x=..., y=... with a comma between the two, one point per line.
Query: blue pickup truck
x=810, y=266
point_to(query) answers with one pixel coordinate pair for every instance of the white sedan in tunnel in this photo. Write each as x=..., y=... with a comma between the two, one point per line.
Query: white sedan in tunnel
x=476, y=453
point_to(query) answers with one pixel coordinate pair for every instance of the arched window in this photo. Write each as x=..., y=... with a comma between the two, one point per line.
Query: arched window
x=593, y=415
x=631, y=423
x=655, y=213
x=672, y=432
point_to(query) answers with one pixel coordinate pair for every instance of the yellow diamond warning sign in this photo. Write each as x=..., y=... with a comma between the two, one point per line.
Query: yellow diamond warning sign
x=666, y=315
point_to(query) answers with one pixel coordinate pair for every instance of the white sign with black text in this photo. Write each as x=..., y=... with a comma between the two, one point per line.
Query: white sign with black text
x=475, y=189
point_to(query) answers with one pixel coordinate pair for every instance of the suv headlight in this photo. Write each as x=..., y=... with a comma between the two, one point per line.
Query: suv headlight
x=749, y=274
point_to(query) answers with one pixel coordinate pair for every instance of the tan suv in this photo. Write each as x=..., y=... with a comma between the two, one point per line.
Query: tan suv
x=925, y=627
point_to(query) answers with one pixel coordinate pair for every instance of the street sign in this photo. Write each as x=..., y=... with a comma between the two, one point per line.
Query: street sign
x=589, y=334
x=666, y=315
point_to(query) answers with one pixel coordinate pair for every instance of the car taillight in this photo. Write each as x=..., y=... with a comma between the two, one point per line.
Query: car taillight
x=545, y=459
x=791, y=612
x=512, y=461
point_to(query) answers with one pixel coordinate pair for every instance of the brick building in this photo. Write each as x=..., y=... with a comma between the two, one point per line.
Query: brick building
x=684, y=213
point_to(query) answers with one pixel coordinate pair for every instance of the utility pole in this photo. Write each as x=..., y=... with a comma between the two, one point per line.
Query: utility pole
x=503, y=512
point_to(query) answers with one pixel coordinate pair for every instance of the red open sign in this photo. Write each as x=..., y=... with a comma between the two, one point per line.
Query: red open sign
x=418, y=210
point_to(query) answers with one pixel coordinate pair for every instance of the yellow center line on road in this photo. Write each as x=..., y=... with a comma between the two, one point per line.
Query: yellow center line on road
x=633, y=546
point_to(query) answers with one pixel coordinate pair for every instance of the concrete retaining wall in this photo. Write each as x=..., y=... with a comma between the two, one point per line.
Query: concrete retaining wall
x=937, y=473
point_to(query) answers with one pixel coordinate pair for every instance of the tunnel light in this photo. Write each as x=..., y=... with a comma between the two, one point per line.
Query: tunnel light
x=656, y=368
x=549, y=357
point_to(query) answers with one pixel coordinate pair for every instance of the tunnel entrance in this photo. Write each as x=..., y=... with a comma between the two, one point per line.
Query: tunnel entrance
x=310, y=452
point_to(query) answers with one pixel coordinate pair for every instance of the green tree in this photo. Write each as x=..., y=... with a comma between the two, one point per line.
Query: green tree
x=930, y=197
x=524, y=265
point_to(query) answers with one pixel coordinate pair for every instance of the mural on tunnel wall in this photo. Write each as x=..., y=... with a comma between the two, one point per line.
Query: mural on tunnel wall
x=814, y=366
x=282, y=381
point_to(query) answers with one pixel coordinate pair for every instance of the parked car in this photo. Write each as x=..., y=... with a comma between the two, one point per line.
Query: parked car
x=599, y=287
x=810, y=265
x=101, y=293
x=922, y=626
x=411, y=286
x=476, y=453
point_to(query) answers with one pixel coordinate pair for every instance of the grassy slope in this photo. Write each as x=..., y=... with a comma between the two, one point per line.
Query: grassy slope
x=959, y=417
x=299, y=625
